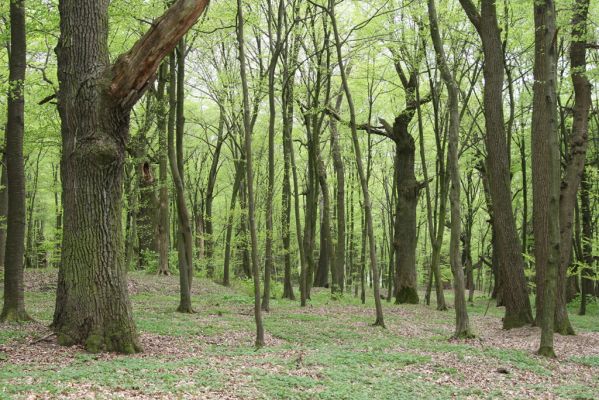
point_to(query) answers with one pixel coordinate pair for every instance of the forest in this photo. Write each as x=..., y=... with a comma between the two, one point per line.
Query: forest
x=286, y=199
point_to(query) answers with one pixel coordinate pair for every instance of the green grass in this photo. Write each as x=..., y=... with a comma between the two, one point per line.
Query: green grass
x=328, y=350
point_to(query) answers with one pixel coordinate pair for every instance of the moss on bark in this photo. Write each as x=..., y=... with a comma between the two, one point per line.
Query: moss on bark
x=407, y=295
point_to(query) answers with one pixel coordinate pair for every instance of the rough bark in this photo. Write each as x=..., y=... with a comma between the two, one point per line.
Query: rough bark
x=405, y=216
x=95, y=100
x=576, y=159
x=515, y=294
x=3, y=208
x=13, y=309
x=546, y=170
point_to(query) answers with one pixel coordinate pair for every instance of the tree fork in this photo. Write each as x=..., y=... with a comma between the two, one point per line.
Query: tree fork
x=95, y=101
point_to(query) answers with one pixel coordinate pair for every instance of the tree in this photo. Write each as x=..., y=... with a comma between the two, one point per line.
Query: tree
x=546, y=170
x=162, y=228
x=3, y=208
x=462, y=321
x=338, y=284
x=249, y=175
x=95, y=101
x=176, y=125
x=275, y=50
x=14, y=292
x=511, y=263
x=576, y=159
x=359, y=166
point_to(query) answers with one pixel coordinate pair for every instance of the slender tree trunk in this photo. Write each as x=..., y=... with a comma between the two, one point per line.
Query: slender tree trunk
x=276, y=51
x=363, y=182
x=587, y=274
x=286, y=222
x=247, y=129
x=208, y=200
x=546, y=170
x=57, y=218
x=338, y=284
x=243, y=243
x=175, y=131
x=524, y=196
x=290, y=67
x=146, y=213
x=13, y=309
x=162, y=229
x=462, y=321
x=287, y=111
x=429, y=210
x=438, y=240
x=229, y=234
x=362, y=264
x=576, y=159
x=327, y=252
x=30, y=249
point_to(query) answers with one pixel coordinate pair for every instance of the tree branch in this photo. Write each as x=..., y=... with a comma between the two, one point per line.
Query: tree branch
x=133, y=70
x=375, y=130
x=472, y=13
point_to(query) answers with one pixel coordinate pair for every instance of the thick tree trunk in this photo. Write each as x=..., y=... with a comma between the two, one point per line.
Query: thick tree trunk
x=546, y=171
x=13, y=309
x=515, y=294
x=3, y=209
x=95, y=99
x=405, y=217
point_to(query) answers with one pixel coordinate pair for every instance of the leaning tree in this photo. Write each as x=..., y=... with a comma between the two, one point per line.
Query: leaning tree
x=94, y=102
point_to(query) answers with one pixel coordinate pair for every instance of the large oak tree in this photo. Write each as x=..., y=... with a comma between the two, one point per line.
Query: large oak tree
x=95, y=101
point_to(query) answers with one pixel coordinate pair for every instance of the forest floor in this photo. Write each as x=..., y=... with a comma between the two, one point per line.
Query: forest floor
x=325, y=351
